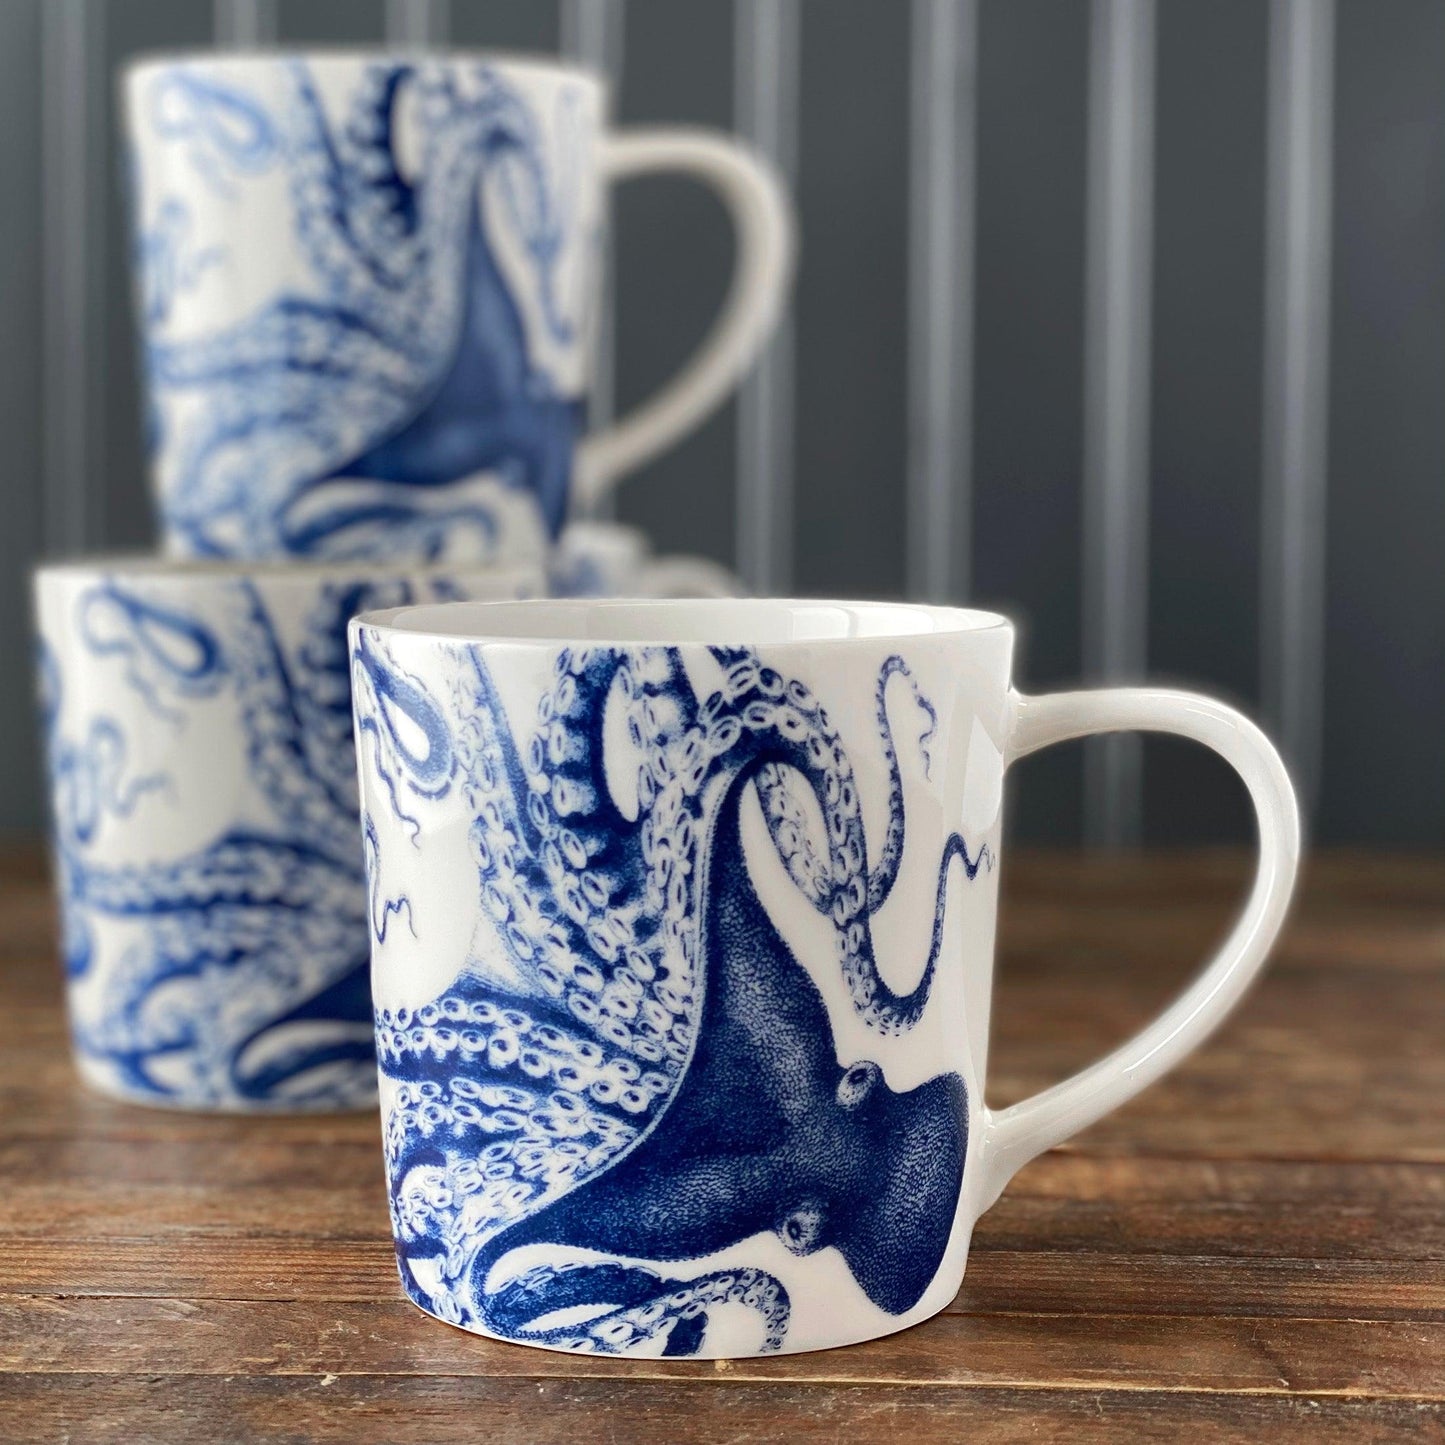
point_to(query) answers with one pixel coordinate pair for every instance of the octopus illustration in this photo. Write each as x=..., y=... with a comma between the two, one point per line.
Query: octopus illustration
x=235, y=973
x=639, y=1071
x=394, y=399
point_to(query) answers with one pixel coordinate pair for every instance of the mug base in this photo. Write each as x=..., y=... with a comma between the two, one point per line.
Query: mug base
x=703, y=1353
x=228, y=1107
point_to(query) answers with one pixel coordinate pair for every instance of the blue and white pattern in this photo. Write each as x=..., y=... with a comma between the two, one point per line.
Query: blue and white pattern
x=400, y=371
x=630, y=1077
x=205, y=832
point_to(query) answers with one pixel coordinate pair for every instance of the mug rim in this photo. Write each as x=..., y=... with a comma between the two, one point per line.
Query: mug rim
x=155, y=62
x=150, y=567
x=682, y=622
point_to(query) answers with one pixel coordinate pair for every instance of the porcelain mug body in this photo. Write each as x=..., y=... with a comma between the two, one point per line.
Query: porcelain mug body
x=683, y=1045
x=368, y=289
x=207, y=852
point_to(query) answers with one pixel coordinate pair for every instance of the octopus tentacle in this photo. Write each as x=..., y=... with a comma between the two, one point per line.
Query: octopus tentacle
x=306, y=386
x=758, y=716
x=170, y=657
x=647, y=1304
x=284, y=917
x=319, y=804
x=788, y=824
x=397, y=719
x=320, y=685
x=237, y=970
x=614, y=903
x=346, y=184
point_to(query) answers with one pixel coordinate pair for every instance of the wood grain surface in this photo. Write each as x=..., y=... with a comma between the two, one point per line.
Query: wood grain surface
x=1253, y=1249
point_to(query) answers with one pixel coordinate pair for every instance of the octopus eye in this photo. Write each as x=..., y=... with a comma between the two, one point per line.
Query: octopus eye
x=857, y=1083
x=802, y=1229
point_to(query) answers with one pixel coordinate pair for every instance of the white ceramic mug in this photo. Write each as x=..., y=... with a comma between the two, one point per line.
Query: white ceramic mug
x=368, y=295
x=208, y=860
x=683, y=1050
x=606, y=559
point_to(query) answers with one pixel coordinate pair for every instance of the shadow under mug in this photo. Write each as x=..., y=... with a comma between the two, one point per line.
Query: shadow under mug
x=207, y=854
x=683, y=1046
x=368, y=290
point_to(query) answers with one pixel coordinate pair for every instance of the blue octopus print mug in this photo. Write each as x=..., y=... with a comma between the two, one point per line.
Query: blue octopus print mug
x=682, y=922
x=368, y=292
x=207, y=854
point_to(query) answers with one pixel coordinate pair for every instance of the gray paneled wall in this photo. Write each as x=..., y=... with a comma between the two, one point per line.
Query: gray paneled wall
x=1128, y=316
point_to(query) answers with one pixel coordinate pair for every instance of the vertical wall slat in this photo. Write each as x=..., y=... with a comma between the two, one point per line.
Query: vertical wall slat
x=240, y=24
x=593, y=33
x=766, y=64
x=942, y=186
x=1299, y=165
x=417, y=24
x=1118, y=250
x=22, y=377
x=73, y=248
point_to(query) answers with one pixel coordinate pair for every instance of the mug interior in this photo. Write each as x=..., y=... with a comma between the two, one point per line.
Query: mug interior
x=711, y=622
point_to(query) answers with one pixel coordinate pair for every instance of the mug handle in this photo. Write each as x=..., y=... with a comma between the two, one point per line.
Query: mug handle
x=685, y=576
x=1014, y=1135
x=762, y=216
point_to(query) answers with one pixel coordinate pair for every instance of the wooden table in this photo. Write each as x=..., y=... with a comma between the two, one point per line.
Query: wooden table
x=1253, y=1249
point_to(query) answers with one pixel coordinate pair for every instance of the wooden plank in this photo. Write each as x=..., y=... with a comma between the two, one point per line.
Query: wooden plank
x=148, y=1407
x=1227, y=1230
x=273, y=1268
x=1318, y=1062
x=1032, y=1282
x=169, y=1215
x=1078, y=1203
x=1062, y=1283
x=183, y=1337
x=244, y=1155
x=320, y=1154
x=51, y=1105
x=1069, y=1174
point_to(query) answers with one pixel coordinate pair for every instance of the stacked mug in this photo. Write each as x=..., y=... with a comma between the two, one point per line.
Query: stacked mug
x=368, y=289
